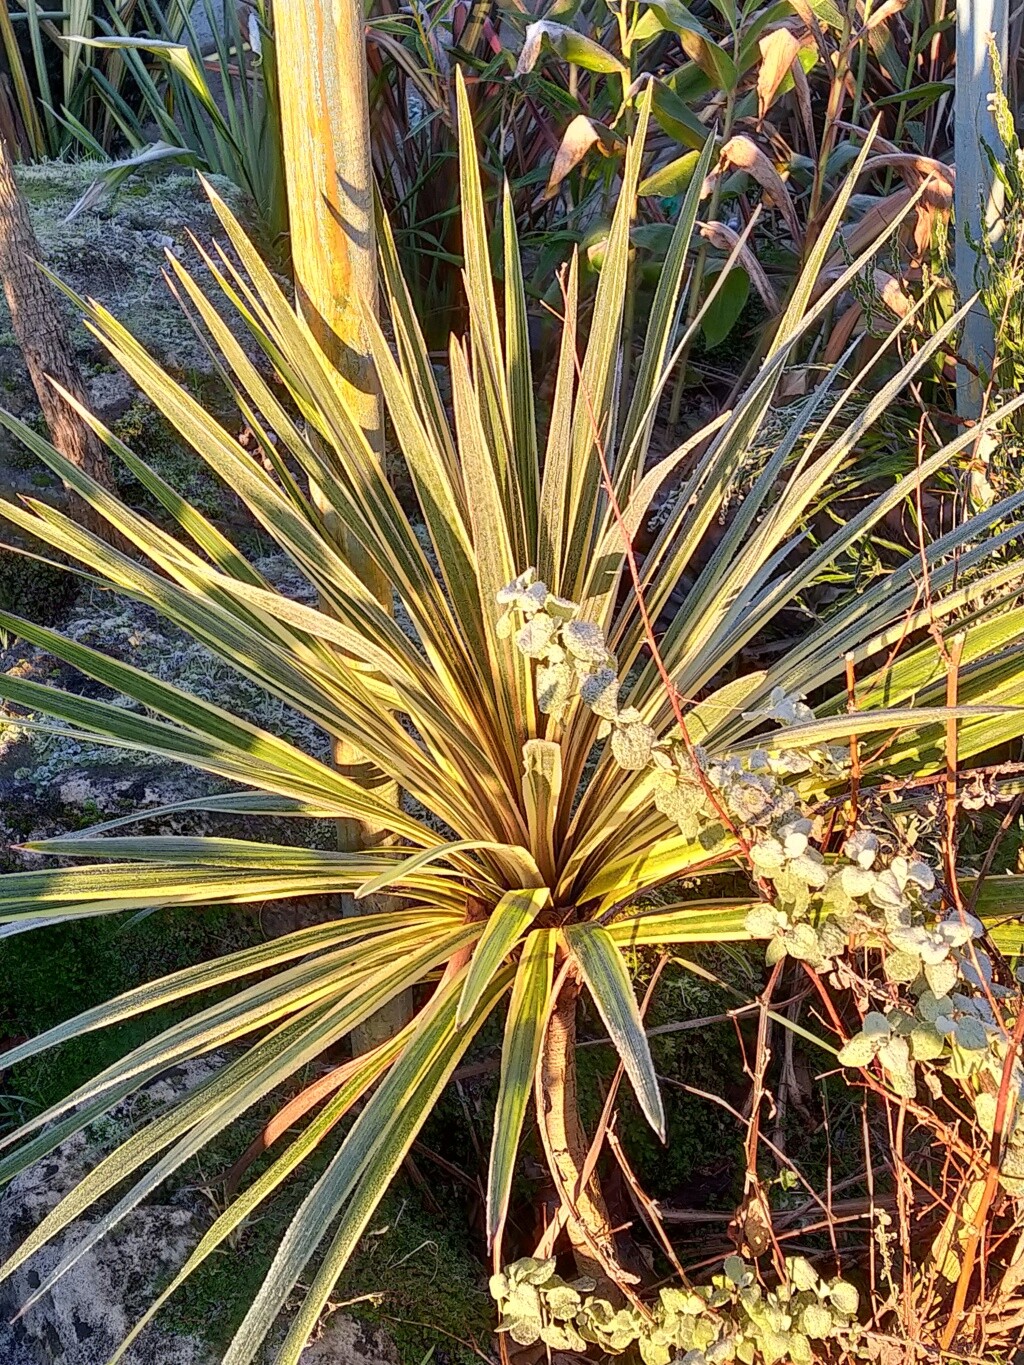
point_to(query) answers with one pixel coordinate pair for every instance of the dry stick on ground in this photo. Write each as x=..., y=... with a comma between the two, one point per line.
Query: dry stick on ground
x=39, y=324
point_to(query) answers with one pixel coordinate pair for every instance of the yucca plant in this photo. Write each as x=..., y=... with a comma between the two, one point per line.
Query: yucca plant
x=527, y=850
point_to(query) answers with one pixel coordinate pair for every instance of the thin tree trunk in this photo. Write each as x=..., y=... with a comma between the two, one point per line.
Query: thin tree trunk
x=39, y=324
x=321, y=66
x=565, y=1143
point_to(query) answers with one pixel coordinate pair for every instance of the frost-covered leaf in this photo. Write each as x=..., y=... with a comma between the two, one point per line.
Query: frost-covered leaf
x=985, y=1111
x=562, y=1301
x=845, y=1297
x=941, y=976
x=857, y=881
x=802, y=1274
x=922, y=874
x=861, y=848
x=800, y=1350
x=816, y=1321
x=860, y=1050
x=632, y=745
x=810, y=868
x=970, y=1034
x=902, y=966
x=535, y=638
x=600, y=691
x=926, y=1045
x=768, y=854
x=585, y=641
x=777, y=949
x=764, y=921
x=554, y=688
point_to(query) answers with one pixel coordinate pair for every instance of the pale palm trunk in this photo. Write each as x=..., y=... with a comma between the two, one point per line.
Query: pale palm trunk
x=321, y=69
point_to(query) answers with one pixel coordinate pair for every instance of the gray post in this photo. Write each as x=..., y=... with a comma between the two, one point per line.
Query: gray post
x=978, y=201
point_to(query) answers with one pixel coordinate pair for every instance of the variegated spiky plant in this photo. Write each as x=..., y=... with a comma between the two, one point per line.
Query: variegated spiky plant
x=527, y=842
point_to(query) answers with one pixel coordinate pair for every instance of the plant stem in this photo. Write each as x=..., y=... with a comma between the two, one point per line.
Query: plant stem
x=565, y=1143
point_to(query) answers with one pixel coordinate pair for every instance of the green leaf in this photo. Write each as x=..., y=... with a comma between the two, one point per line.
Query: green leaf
x=671, y=180
x=504, y=927
x=520, y=1052
x=720, y=317
x=569, y=44
x=604, y=972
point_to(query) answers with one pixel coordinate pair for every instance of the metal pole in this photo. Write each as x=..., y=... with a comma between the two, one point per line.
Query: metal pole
x=978, y=200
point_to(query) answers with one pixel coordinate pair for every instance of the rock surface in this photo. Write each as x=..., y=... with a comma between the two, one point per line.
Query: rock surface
x=348, y=1342
x=90, y=1309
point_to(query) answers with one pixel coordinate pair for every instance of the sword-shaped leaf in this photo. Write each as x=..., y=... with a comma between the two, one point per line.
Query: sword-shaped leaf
x=505, y=926
x=524, y=1031
x=604, y=974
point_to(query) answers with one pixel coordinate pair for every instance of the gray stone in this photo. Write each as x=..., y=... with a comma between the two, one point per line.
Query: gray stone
x=348, y=1342
x=203, y=12
x=90, y=1310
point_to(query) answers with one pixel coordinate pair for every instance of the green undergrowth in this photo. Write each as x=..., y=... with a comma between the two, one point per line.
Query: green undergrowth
x=48, y=975
x=412, y=1275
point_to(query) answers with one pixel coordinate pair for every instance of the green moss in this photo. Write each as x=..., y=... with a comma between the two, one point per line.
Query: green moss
x=50, y=975
x=34, y=590
x=153, y=439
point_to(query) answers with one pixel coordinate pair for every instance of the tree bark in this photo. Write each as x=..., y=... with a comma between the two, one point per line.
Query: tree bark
x=39, y=324
x=565, y=1144
x=321, y=64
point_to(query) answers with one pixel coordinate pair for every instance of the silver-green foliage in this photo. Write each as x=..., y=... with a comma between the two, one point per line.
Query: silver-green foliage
x=731, y=1321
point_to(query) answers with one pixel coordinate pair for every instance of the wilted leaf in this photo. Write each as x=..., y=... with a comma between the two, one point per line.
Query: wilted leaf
x=743, y=154
x=779, y=50
x=568, y=44
x=725, y=239
x=581, y=134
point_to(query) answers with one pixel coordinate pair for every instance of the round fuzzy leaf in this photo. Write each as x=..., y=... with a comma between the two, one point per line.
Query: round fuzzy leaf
x=632, y=745
x=800, y=1350
x=941, y=976
x=735, y=1269
x=816, y=1321
x=902, y=966
x=985, y=1111
x=926, y=1045
x=802, y=1274
x=845, y=1297
x=970, y=1034
x=859, y=1051
x=876, y=1025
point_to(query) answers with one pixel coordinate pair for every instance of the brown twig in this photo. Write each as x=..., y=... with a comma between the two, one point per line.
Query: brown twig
x=974, y=1238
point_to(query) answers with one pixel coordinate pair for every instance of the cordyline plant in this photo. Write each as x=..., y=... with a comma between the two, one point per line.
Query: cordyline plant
x=526, y=842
